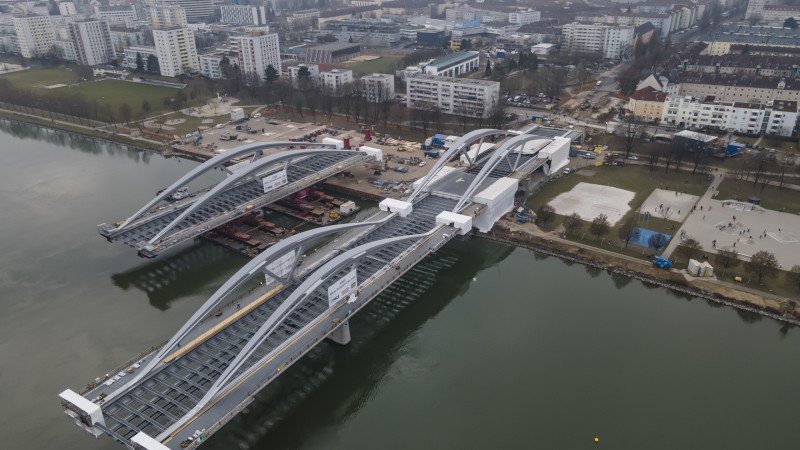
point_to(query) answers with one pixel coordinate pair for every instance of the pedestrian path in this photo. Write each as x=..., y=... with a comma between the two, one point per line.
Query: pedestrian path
x=708, y=195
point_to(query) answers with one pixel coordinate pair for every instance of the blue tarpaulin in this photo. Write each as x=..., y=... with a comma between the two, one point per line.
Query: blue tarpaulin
x=641, y=236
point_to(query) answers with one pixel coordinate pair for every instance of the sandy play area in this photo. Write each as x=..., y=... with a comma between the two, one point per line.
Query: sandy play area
x=591, y=200
x=669, y=205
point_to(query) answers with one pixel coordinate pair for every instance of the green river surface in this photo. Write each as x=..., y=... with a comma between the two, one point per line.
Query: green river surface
x=481, y=346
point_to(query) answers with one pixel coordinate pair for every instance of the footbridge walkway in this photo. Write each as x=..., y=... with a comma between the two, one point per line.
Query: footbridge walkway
x=181, y=393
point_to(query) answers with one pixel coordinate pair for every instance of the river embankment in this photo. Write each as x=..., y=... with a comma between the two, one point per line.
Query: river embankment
x=710, y=289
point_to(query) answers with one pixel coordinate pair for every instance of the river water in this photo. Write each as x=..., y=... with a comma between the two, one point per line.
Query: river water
x=480, y=346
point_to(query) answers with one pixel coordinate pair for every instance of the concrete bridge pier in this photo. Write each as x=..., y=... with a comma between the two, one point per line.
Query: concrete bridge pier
x=341, y=335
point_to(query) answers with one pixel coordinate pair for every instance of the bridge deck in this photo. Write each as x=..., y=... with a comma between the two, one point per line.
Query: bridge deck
x=228, y=204
x=169, y=393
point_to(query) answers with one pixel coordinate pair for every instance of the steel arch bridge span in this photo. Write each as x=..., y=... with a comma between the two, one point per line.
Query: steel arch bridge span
x=217, y=161
x=460, y=146
x=263, y=263
x=314, y=287
x=242, y=174
x=502, y=153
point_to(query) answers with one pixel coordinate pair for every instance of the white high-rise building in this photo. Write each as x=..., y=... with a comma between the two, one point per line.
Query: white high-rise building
x=243, y=14
x=334, y=80
x=35, y=35
x=256, y=52
x=92, y=40
x=378, y=87
x=166, y=16
x=176, y=51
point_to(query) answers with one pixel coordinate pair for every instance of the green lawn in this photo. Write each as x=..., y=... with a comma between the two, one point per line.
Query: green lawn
x=380, y=65
x=116, y=93
x=637, y=179
x=41, y=77
x=772, y=197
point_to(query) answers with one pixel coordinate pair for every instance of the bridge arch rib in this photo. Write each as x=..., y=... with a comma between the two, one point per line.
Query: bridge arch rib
x=211, y=164
x=320, y=279
x=240, y=175
x=502, y=152
x=256, y=266
x=460, y=146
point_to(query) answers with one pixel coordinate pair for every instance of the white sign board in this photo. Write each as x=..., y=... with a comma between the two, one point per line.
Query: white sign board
x=275, y=180
x=238, y=166
x=343, y=288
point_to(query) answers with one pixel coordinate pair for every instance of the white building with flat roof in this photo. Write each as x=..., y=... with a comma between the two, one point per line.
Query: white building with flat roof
x=35, y=35
x=612, y=41
x=176, y=51
x=209, y=63
x=256, y=52
x=131, y=55
x=459, y=96
x=454, y=64
x=67, y=9
x=334, y=80
x=196, y=10
x=524, y=17
x=377, y=87
x=293, y=72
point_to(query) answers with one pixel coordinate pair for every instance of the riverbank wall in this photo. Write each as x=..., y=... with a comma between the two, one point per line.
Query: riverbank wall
x=642, y=271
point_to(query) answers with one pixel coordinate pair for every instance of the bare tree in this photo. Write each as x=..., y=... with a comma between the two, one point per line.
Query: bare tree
x=763, y=264
x=631, y=131
x=657, y=241
x=727, y=258
x=572, y=223
x=627, y=231
x=545, y=214
x=689, y=248
x=600, y=226
x=794, y=274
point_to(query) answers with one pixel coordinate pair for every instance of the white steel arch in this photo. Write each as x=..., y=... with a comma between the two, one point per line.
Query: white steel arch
x=238, y=176
x=211, y=164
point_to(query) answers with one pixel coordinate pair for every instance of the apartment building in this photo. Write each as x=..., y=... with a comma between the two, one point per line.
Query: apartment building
x=776, y=118
x=721, y=41
x=764, y=65
x=162, y=16
x=92, y=40
x=117, y=15
x=176, y=51
x=243, y=14
x=647, y=104
x=612, y=41
x=334, y=80
x=460, y=96
x=377, y=87
x=209, y=63
x=135, y=52
x=302, y=19
x=771, y=12
x=524, y=17
x=256, y=52
x=738, y=88
x=67, y=9
x=35, y=35
x=293, y=72
x=454, y=64
x=662, y=22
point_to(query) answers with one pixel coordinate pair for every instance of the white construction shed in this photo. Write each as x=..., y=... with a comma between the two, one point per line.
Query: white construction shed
x=376, y=152
x=499, y=199
x=331, y=141
x=460, y=221
x=398, y=206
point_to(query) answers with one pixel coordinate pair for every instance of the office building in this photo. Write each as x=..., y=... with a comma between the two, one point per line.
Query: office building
x=243, y=14
x=454, y=64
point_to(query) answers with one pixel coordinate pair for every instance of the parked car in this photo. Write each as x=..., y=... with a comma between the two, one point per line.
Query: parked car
x=633, y=157
x=219, y=125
